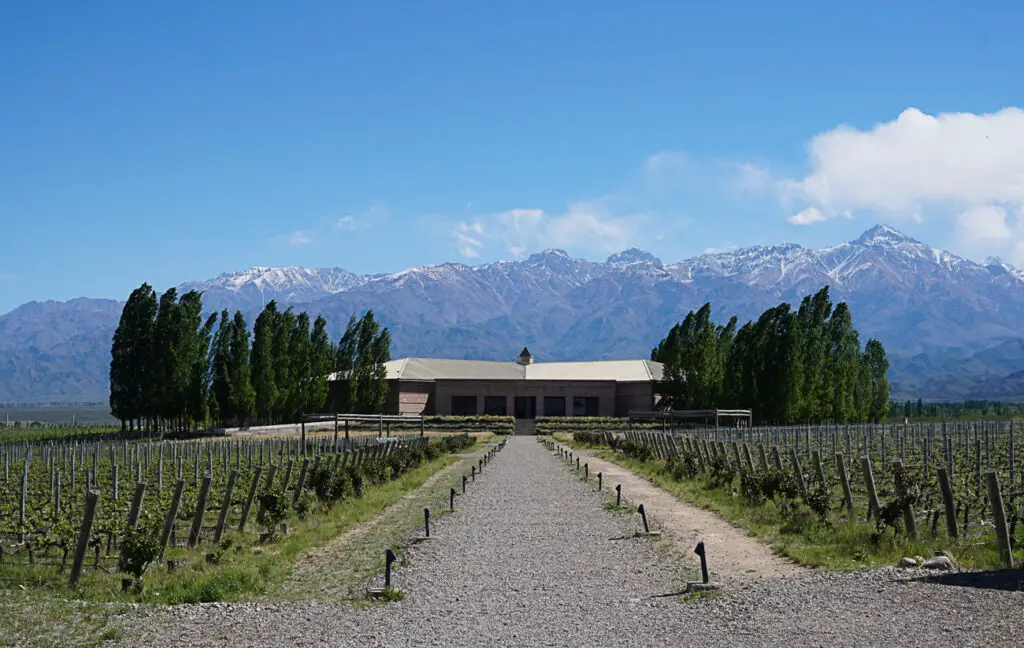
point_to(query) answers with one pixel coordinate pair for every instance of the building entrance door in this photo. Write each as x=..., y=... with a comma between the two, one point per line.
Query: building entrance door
x=526, y=407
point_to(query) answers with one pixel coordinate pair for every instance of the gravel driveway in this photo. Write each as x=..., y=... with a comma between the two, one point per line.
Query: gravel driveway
x=530, y=558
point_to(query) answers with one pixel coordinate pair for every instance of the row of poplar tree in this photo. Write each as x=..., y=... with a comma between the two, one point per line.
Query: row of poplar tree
x=171, y=369
x=789, y=367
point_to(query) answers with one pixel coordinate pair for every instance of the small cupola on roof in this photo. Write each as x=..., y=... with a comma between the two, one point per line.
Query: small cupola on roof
x=524, y=357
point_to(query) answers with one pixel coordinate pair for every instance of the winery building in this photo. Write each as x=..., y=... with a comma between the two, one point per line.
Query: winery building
x=524, y=388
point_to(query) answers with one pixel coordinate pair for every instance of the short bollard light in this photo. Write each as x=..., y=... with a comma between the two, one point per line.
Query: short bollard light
x=643, y=516
x=451, y=499
x=389, y=557
x=703, y=561
x=463, y=484
x=618, y=494
x=473, y=472
x=599, y=479
x=577, y=463
x=426, y=521
x=480, y=466
x=586, y=472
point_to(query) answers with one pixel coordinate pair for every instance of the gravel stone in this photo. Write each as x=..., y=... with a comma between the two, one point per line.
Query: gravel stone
x=530, y=558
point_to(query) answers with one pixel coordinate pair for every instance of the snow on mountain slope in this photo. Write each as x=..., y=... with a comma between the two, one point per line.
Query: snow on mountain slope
x=915, y=298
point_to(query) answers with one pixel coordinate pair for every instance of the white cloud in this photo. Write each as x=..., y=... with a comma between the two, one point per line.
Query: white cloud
x=467, y=237
x=917, y=159
x=299, y=239
x=585, y=226
x=980, y=226
x=807, y=216
x=961, y=166
x=752, y=177
x=363, y=220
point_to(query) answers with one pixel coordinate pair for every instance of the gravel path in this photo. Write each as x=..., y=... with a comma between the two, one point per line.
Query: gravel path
x=529, y=559
x=735, y=555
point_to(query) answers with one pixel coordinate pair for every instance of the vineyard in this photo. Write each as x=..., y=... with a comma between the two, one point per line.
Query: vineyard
x=80, y=512
x=877, y=487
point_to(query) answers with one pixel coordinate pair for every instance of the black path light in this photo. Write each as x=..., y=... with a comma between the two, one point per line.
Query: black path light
x=705, y=585
x=586, y=472
x=618, y=494
x=703, y=562
x=577, y=463
x=647, y=529
x=381, y=592
x=389, y=557
x=599, y=478
x=451, y=499
x=426, y=521
x=463, y=484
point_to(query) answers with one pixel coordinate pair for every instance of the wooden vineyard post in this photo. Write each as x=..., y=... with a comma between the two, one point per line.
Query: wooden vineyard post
x=91, y=500
x=995, y=498
x=302, y=480
x=795, y=459
x=947, y=502
x=133, y=513
x=763, y=456
x=908, y=510
x=197, y=520
x=746, y=455
x=819, y=471
x=165, y=533
x=249, y=499
x=225, y=505
x=847, y=494
x=869, y=481
x=777, y=457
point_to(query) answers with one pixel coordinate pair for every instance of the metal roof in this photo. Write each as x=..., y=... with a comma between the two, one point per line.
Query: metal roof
x=431, y=369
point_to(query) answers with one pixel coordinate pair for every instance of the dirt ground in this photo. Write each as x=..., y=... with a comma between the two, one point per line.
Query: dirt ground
x=733, y=554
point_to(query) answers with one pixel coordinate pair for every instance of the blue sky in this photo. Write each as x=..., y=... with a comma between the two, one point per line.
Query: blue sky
x=167, y=141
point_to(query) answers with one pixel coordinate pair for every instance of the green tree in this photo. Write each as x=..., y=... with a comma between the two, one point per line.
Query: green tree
x=321, y=362
x=221, y=407
x=284, y=374
x=877, y=365
x=301, y=367
x=367, y=380
x=262, y=360
x=131, y=347
x=844, y=364
x=242, y=396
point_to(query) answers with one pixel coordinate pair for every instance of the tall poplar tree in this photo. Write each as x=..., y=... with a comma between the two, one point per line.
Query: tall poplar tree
x=242, y=396
x=321, y=362
x=262, y=360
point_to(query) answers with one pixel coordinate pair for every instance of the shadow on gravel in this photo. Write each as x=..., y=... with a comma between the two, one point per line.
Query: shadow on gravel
x=1010, y=580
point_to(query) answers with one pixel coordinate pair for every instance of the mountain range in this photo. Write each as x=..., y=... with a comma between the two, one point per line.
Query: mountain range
x=953, y=328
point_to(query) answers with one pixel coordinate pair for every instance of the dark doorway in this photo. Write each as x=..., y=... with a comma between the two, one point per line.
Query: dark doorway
x=526, y=407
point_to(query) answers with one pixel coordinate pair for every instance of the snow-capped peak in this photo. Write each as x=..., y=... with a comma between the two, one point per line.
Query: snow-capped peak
x=885, y=236
x=633, y=255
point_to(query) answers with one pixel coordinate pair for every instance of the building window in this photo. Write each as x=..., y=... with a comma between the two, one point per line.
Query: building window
x=554, y=406
x=495, y=406
x=584, y=406
x=463, y=405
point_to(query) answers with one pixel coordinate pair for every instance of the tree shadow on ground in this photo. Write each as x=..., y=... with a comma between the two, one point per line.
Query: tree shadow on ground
x=1010, y=580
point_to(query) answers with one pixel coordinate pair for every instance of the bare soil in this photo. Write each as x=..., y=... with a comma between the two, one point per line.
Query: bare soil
x=733, y=554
